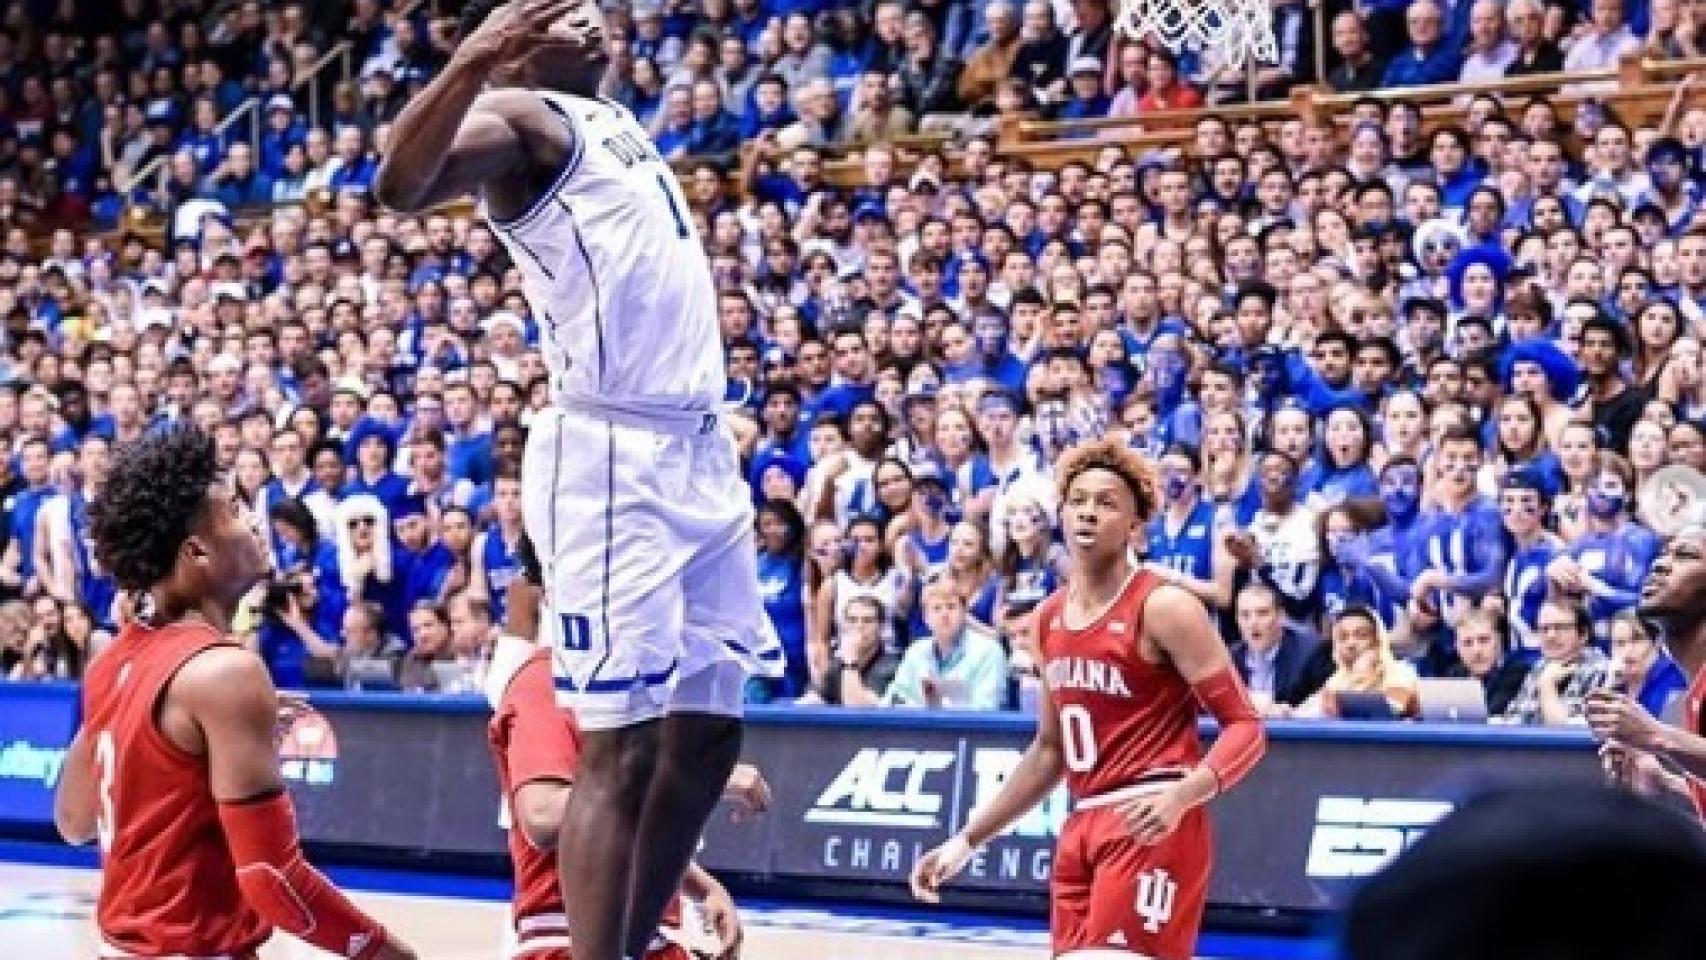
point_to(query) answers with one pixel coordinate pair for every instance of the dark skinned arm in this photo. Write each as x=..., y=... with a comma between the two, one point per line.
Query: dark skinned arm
x=492, y=134
x=76, y=805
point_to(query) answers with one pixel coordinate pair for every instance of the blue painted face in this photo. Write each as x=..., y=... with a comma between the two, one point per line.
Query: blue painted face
x=1167, y=374
x=1401, y=491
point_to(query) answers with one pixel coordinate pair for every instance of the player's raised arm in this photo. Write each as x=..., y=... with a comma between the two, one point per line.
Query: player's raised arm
x=230, y=698
x=456, y=136
x=1036, y=776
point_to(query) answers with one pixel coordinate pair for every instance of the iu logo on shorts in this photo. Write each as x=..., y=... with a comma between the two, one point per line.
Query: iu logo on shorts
x=1155, y=893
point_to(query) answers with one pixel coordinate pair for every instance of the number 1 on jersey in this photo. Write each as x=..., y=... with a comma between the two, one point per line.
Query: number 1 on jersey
x=674, y=208
x=1077, y=738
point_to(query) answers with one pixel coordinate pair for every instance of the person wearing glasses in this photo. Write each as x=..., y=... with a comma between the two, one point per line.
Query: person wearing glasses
x=1555, y=692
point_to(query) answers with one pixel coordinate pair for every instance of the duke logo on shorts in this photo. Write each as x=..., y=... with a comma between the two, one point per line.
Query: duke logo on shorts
x=631, y=486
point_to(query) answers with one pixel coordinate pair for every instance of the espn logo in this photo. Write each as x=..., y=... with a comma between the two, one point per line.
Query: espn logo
x=1356, y=836
x=886, y=788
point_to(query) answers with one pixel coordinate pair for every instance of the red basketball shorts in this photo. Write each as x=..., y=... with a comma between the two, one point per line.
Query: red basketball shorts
x=1110, y=893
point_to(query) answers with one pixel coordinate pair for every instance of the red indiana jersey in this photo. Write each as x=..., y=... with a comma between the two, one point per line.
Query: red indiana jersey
x=1122, y=718
x=168, y=886
x=1693, y=708
x=533, y=739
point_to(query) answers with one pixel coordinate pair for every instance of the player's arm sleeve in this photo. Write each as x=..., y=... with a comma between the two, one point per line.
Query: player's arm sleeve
x=278, y=882
x=542, y=743
x=228, y=693
x=1178, y=623
x=1242, y=741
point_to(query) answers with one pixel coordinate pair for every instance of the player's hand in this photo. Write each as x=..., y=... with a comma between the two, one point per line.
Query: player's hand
x=516, y=29
x=1619, y=718
x=521, y=610
x=1631, y=769
x=937, y=867
x=1152, y=817
x=747, y=791
x=723, y=921
x=1617, y=762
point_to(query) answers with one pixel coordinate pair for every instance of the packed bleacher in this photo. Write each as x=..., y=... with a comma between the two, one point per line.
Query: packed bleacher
x=1407, y=321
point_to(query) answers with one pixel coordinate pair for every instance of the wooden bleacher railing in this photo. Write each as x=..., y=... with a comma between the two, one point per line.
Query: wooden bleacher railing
x=1638, y=91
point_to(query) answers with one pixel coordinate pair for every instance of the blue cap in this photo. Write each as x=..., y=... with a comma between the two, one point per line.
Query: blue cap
x=1528, y=478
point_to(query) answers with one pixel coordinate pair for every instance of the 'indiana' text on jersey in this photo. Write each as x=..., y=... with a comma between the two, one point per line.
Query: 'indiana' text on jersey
x=1082, y=673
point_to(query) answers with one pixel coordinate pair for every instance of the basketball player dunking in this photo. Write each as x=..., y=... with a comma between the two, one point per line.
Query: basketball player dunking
x=632, y=489
x=1126, y=661
x=535, y=745
x=1638, y=747
x=174, y=770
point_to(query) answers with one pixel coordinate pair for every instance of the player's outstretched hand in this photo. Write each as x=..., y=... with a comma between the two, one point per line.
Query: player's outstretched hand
x=1152, y=817
x=937, y=867
x=747, y=791
x=516, y=29
x=723, y=920
x=1620, y=718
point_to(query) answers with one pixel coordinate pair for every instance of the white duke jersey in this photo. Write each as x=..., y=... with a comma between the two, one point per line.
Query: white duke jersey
x=614, y=271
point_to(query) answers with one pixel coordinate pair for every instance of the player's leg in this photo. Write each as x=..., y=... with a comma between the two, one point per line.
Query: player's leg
x=1069, y=887
x=1149, y=899
x=616, y=611
x=601, y=831
x=724, y=628
x=697, y=752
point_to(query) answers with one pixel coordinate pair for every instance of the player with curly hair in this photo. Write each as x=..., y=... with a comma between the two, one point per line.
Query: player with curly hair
x=175, y=771
x=1126, y=661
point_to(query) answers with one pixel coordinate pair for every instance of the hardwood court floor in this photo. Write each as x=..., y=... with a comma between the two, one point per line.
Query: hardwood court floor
x=46, y=913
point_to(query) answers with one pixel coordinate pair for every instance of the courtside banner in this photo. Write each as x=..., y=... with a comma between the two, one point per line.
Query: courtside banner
x=1329, y=805
x=37, y=722
x=859, y=795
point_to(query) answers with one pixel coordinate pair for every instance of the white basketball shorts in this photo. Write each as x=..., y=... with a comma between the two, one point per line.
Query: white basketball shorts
x=645, y=535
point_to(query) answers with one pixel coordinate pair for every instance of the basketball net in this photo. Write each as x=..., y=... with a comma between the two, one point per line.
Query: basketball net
x=1226, y=33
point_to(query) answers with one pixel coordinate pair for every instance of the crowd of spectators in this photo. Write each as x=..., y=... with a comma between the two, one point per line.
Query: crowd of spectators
x=1404, y=385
